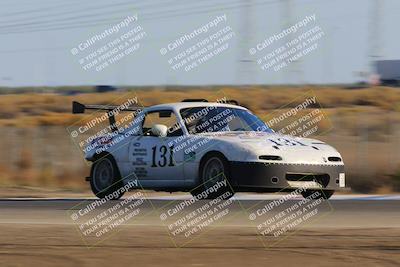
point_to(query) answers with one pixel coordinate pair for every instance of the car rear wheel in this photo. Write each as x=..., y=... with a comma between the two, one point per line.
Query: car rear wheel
x=105, y=179
x=318, y=194
x=214, y=173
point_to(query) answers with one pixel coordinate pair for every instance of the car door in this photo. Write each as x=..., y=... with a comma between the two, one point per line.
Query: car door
x=154, y=159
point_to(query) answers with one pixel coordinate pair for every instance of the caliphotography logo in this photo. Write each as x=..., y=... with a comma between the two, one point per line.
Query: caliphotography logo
x=199, y=133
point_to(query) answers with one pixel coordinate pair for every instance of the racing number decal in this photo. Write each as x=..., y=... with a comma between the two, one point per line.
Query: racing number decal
x=286, y=142
x=163, y=156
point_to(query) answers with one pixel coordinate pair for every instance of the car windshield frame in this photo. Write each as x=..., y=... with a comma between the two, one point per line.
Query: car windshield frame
x=254, y=123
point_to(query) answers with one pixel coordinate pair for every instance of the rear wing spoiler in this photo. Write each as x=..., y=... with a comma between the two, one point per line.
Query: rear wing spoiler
x=79, y=108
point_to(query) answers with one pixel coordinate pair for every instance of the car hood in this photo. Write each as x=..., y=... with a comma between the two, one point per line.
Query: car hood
x=264, y=139
x=291, y=149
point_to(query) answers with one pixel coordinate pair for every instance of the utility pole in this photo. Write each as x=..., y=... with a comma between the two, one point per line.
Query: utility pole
x=293, y=73
x=245, y=67
x=374, y=34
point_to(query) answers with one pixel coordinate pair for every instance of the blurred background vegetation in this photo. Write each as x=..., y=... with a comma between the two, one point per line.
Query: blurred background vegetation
x=37, y=150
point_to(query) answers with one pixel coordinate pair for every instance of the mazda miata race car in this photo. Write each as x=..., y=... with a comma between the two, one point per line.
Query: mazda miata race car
x=194, y=145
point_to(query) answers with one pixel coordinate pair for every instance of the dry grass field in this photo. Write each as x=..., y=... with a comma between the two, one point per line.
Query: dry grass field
x=363, y=125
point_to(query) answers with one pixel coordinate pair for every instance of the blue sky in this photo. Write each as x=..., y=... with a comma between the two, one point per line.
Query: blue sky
x=37, y=36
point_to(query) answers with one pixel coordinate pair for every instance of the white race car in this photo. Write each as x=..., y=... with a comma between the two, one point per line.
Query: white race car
x=194, y=145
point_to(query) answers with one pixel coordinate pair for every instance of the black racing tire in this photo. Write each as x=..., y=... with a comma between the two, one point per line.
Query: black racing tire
x=105, y=178
x=324, y=194
x=214, y=168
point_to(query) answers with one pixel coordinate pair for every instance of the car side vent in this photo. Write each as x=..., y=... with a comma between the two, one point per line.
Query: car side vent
x=195, y=100
x=334, y=159
x=316, y=148
x=270, y=157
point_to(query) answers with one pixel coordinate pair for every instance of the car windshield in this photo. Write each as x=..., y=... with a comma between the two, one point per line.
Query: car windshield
x=221, y=119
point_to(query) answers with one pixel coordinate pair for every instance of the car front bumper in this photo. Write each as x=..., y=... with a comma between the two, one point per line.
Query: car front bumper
x=272, y=177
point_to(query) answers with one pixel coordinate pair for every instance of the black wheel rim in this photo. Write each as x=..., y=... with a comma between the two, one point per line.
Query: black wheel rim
x=103, y=175
x=213, y=172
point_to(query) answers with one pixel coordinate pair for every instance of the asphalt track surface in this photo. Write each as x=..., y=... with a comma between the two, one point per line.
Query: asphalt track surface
x=347, y=230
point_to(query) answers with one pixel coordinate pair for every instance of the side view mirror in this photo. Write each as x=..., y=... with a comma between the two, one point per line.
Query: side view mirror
x=159, y=130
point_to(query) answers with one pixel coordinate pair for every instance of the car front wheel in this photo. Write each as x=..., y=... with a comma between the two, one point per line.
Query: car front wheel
x=318, y=194
x=214, y=174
